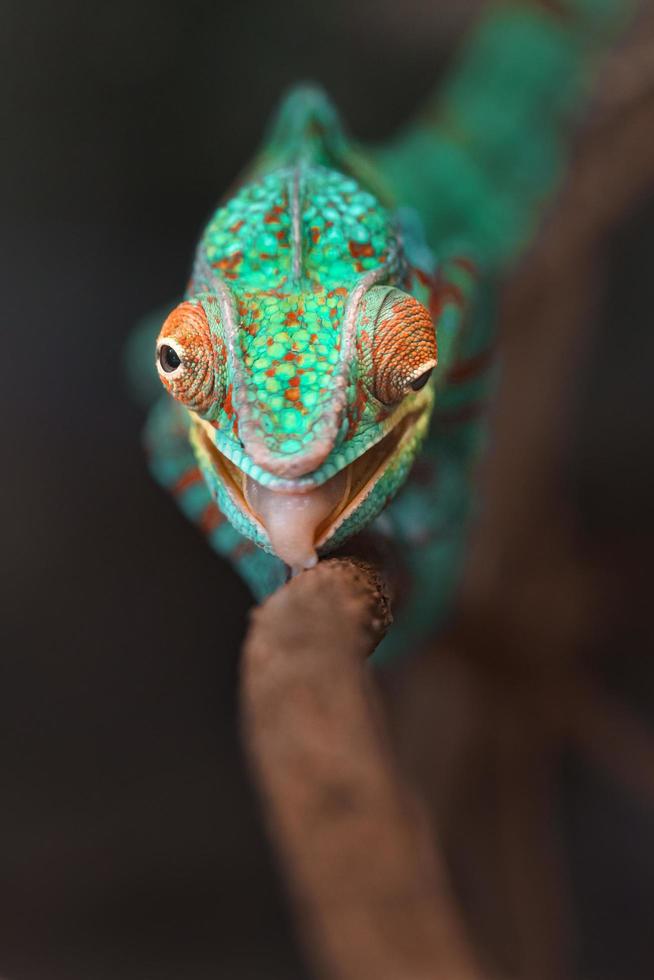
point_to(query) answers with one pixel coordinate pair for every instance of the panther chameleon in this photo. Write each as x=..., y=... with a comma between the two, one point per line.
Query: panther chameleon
x=331, y=358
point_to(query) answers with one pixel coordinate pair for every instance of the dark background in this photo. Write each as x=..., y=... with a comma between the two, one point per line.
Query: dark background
x=131, y=842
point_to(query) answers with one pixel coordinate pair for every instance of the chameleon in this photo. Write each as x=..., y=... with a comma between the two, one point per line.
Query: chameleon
x=326, y=372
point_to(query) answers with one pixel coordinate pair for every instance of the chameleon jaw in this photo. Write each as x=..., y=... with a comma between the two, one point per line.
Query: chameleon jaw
x=299, y=521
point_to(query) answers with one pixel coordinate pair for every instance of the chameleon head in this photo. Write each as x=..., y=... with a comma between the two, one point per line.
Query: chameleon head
x=306, y=407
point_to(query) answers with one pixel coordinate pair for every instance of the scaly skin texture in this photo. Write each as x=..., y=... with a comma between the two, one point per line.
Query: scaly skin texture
x=300, y=358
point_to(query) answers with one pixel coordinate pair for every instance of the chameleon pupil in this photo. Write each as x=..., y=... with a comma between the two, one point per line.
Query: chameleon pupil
x=421, y=381
x=169, y=358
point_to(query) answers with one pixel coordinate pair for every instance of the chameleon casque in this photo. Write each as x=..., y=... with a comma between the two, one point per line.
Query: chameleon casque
x=329, y=362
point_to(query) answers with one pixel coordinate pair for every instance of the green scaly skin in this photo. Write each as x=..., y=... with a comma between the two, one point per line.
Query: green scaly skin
x=316, y=294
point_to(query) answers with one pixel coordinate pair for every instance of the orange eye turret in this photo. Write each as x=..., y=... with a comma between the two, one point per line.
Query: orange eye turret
x=403, y=350
x=190, y=359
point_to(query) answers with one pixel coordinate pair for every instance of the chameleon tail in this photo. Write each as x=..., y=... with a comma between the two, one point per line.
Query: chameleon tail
x=481, y=160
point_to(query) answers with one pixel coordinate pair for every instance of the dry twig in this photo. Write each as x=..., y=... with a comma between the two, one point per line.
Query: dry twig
x=365, y=878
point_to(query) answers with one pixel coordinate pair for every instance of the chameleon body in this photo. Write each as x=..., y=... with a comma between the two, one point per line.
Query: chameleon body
x=331, y=356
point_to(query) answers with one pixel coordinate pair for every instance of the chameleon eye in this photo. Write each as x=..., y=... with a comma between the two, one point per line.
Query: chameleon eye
x=190, y=359
x=169, y=359
x=404, y=351
x=418, y=383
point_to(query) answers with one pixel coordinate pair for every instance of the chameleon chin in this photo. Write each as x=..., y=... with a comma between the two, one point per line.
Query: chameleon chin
x=299, y=519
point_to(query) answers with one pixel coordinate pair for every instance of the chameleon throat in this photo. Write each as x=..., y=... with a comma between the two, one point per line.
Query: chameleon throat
x=298, y=520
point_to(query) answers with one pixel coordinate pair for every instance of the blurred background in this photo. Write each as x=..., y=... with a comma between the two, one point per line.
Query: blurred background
x=131, y=842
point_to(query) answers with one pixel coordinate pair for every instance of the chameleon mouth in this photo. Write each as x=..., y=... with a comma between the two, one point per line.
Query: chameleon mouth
x=299, y=522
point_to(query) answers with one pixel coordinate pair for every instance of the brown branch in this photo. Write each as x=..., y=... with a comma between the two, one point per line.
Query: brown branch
x=365, y=879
